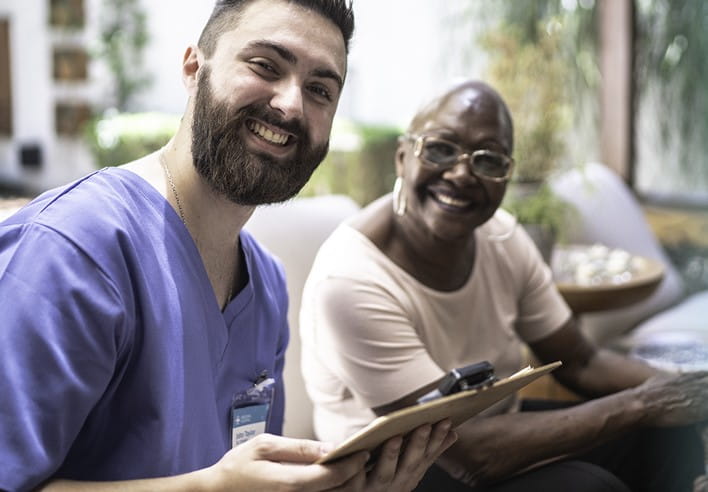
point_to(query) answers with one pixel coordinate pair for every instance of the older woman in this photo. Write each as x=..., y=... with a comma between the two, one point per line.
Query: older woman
x=436, y=276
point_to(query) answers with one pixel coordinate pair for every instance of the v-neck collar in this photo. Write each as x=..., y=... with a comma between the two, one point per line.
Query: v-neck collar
x=162, y=206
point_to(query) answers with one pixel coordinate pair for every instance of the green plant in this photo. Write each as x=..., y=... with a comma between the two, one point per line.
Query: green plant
x=124, y=137
x=541, y=207
x=123, y=37
x=572, y=29
x=359, y=164
x=531, y=78
x=376, y=172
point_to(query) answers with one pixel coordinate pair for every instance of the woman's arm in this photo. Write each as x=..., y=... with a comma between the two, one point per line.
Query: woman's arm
x=492, y=448
x=587, y=370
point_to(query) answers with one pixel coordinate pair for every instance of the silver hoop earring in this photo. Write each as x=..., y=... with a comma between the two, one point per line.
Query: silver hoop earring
x=399, y=197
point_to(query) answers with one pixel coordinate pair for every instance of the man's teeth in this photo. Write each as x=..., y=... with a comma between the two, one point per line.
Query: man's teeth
x=453, y=202
x=267, y=134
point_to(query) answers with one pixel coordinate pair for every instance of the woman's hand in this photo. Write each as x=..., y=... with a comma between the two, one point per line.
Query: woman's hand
x=403, y=462
x=674, y=400
x=272, y=463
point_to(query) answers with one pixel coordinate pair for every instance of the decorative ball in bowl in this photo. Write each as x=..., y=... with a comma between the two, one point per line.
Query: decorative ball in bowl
x=597, y=278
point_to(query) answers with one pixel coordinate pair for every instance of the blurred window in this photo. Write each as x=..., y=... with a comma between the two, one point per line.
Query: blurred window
x=671, y=100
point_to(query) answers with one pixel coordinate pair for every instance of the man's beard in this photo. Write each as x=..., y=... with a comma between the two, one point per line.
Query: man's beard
x=245, y=177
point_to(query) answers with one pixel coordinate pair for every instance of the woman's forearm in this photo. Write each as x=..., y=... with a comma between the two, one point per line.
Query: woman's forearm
x=495, y=447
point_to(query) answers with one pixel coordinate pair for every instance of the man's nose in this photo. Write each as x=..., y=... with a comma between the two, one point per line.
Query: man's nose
x=287, y=99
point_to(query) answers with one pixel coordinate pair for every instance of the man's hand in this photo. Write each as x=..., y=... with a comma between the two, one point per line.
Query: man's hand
x=273, y=463
x=269, y=463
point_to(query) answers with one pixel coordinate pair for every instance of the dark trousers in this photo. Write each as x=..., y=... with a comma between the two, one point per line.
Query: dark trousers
x=643, y=460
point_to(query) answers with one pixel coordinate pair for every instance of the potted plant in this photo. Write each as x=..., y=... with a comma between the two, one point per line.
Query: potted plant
x=530, y=77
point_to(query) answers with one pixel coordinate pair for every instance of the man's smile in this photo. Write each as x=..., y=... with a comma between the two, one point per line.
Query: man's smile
x=269, y=134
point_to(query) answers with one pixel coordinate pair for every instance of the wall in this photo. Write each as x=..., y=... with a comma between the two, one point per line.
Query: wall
x=34, y=96
x=397, y=56
x=397, y=61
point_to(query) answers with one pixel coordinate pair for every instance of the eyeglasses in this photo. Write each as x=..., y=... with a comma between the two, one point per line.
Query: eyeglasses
x=441, y=153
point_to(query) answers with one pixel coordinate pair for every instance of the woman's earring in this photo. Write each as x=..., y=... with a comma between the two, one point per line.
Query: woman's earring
x=399, y=197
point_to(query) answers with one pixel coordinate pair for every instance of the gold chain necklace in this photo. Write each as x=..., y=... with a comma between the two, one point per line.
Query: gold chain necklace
x=163, y=163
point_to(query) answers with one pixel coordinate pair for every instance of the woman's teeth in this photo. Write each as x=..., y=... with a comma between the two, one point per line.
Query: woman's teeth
x=453, y=202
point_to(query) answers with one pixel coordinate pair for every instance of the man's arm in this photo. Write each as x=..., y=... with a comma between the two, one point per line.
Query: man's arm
x=266, y=462
x=269, y=462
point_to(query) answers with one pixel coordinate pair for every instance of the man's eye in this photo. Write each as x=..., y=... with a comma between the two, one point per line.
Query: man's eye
x=321, y=91
x=264, y=66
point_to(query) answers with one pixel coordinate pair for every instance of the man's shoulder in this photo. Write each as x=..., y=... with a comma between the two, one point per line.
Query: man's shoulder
x=102, y=201
x=103, y=212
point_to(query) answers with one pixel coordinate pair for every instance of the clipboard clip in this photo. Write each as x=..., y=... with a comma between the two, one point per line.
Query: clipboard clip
x=474, y=376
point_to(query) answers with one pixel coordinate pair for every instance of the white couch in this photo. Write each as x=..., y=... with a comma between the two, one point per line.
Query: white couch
x=293, y=231
x=610, y=214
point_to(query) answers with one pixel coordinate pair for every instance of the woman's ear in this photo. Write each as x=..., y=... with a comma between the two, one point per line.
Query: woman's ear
x=400, y=158
x=191, y=63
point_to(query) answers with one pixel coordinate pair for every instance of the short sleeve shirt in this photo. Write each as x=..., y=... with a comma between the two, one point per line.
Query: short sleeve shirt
x=372, y=334
x=116, y=361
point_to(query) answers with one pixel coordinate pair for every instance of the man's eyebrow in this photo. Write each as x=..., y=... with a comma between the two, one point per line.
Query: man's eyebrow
x=329, y=74
x=284, y=53
x=290, y=57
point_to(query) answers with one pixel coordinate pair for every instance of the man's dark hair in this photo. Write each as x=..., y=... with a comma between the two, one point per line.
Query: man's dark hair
x=226, y=14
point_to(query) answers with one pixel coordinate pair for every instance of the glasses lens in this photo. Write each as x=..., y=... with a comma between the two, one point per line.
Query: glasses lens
x=440, y=152
x=491, y=164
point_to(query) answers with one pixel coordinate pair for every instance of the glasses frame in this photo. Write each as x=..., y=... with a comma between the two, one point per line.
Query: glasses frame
x=419, y=142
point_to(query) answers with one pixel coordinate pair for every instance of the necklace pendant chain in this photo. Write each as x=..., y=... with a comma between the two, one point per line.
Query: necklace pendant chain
x=163, y=163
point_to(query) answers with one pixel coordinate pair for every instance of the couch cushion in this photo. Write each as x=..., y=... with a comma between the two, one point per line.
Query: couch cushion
x=611, y=215
x=293, y=231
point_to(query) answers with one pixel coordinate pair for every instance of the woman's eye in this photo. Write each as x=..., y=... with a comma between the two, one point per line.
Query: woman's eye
x=440, y=150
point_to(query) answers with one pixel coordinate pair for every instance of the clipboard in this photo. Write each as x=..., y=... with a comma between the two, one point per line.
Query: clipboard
x=458, y=407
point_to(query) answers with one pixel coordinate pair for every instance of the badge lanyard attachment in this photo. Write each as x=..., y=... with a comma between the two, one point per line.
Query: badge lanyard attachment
x=250, y=409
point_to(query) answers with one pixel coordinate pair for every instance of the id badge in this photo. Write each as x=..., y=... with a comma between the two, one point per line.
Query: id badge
x=250, y=410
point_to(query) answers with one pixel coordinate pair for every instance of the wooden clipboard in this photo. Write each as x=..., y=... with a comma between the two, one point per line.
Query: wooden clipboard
x=457, y=407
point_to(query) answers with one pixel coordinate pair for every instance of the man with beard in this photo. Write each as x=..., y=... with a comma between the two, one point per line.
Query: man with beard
x=142, y=332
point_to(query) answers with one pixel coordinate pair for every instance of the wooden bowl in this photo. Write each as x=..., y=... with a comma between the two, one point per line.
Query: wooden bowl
x=603, y=296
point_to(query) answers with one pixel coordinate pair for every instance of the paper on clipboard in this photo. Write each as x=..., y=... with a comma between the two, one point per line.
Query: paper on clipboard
x=457, y=407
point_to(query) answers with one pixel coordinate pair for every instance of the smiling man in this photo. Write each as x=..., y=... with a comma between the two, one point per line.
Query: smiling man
x=142, y=332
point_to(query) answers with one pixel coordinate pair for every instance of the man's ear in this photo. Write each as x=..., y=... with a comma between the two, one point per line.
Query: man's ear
x=192, y=61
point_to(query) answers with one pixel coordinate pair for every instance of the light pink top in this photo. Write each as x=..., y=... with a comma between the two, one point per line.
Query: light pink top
x=371, y=333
